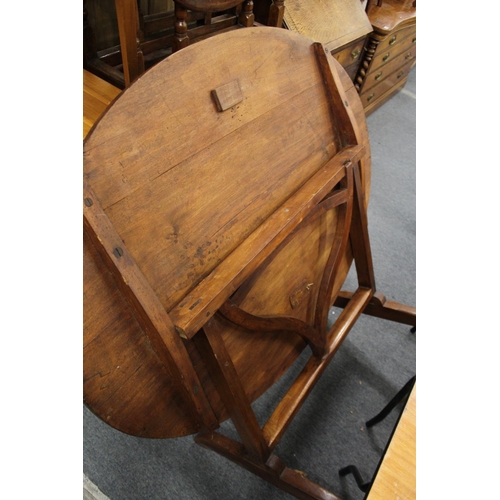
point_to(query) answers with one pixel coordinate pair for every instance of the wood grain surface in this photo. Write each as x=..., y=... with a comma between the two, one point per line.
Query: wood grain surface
x=396, y=477
x=184, y=186
x=97, y=95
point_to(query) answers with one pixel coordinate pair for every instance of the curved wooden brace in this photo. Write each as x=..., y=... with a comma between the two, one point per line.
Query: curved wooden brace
x=311, y=334
x=232, y=312
x=335, y=198
x=323, y=300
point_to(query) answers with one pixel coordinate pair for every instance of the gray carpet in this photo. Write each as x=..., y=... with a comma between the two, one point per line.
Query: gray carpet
x=329, y=432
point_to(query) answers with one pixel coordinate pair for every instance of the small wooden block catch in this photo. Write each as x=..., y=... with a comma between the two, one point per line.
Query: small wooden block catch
x=227, y=95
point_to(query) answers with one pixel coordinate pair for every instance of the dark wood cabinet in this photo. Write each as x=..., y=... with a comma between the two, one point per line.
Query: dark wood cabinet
x=390, y=52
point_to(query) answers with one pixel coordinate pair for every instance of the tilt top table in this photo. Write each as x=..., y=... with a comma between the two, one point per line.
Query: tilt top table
x=224, y=202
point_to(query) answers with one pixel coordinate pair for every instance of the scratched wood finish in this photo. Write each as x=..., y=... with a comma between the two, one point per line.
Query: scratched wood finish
x=182, y=184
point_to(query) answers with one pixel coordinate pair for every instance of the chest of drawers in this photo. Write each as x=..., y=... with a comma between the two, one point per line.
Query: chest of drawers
x=341, y=26
x=389, y=55
x=350, y=56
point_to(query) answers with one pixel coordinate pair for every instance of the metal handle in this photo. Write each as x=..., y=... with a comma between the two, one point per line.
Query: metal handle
x=407, y=56
x=386, y=56
x=355, y=53
x=414, y=40
x=378, y=75
x=392, y=41
x=370, y=97
x=401, y=73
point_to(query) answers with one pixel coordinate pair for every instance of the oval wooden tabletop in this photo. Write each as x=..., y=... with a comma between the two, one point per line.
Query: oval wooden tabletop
x=184, y=183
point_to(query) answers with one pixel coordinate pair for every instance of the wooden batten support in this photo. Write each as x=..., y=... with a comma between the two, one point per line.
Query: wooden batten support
x=273, y=470
x=310, y=374
x=196, y=308
x=146, y=307
x=227, y=95
x=342, y=114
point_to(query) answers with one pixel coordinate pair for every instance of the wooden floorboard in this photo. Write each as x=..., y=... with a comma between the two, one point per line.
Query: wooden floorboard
x=97, y=94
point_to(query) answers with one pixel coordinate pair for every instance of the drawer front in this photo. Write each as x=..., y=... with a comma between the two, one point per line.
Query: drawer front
x=397, y=37
x=352, y=70
x=350, y=54
x=371, y=95
x=377, y=75
x=386, y=56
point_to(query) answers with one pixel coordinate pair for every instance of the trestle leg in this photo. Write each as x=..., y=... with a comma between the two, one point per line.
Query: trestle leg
x=273, y=470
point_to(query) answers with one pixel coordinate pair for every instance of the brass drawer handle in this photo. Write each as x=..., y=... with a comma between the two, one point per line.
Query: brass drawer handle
x=407, y=56
x=386, y=57
x=392, y=41
x=401, y=73
x=355, y=53
x=370, y=97
x=414, y=40
x=378, y=75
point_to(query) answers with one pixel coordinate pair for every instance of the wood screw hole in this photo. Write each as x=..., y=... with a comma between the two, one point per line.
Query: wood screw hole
x=118, y=252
